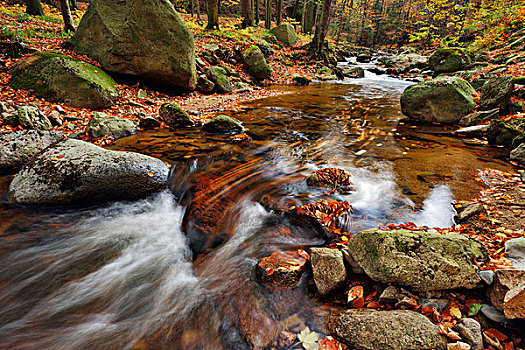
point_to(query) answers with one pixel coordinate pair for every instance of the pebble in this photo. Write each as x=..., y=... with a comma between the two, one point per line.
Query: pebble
x=487, y=277
x=493, y=314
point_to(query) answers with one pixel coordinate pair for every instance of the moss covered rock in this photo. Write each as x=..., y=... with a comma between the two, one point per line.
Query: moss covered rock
x=449, y=60
x=443, y=99
x=102, y=125
x=174, y=116
x=509, y=133
x=219, y=76
x=145, y=39
x=356, y=72
x=30, y=117
x=223, y=124
x=59, y=78
x=385, y=330
x=78, y=172
x=420, y=260
x=285, y=33
x=255, y=63
x=496, y=93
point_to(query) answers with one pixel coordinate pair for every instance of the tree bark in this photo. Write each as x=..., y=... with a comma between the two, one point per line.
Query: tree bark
x=198, y=8
x=74, y=5
x=308, y=16
x=247, y=13
x=268, y=14
x=256, y=11
x=34, y=8
x=279, y=12
x=213, y=14
x=66, y=15
x=317, y=44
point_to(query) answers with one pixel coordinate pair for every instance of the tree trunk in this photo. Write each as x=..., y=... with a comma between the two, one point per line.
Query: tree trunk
x=279, y=18
x=34, y=8
x=247, y=13
x=256, y=10
x=268, y=14
x=309, y=16
x=213, y=14
x=192, y=8
x=198, y=8
x=317, y=44
x=74, y=5
x=66, y=15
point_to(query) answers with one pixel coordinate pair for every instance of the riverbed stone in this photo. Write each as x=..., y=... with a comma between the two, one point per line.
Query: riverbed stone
x=144, y=39
x=205, y=85
x=30, y=117
x=102, y=125
x=468, y=212
x=518, y=154
x=470, y=331
x=174, y=116
x=17, y=148
x=406, y=61
x=449, y=60
x=496, y=93
x=479, y=117
x=508, y=293
x=515, y=249
x=328, y=269
x=420, y=260
x=59, y=78
x=74, y=171
x=223, y=124
x=219, y=76
x=300, y=79
x=281, y=269
x=356, y=72
x=255, y=63
x=510, y=133
x=285, y=33
x=385, y=330
x=443, y=99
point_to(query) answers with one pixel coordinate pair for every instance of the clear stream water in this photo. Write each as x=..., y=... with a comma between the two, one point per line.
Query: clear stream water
x=123, y=275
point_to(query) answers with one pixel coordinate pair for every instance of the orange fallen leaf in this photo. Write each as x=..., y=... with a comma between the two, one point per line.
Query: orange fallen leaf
x=358, y=303
x=150, y=174
x=354, y=293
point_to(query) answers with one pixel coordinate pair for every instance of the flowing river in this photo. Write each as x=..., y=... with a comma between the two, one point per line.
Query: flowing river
x=137, y=275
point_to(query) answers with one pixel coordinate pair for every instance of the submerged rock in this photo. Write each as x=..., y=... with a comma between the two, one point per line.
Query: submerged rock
x=59, y=78
x=102, y=125
x=223, y=124
x=79, y=172
x=174, y=116
x=356, y=72
x=281, y=269
x=17, y=148
x=328, y=268
x=420, y=260
x=443, y=100
x=145, y=39
x=385, y=330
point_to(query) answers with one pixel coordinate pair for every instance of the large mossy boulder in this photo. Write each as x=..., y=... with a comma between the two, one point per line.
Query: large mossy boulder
x=443, y=100
x=285, y=33
x=17, y=148
x=78, y=172
x=255, y=63
x=174, y=116
x=385, y=330
x=420, y=260
x=449, y=60
x=145, y=39
x=102, y=125
x=405, y=61
x=219, y=76
x=59, y=78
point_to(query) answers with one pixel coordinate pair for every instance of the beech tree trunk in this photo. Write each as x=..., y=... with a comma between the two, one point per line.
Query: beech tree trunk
x=212, y=9
x=34, y=8
x=247, y=13
x=317, y=44
x=66, y=15
x=268, y=14
x=279, y=12
x=256, y=10
x=74, y=5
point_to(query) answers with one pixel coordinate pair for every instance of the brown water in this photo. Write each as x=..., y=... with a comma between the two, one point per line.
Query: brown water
x=125, y=275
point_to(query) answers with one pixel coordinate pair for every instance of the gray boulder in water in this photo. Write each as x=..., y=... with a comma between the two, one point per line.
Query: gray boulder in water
x=145, y=39
x=420, y=260
x=79, y=172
